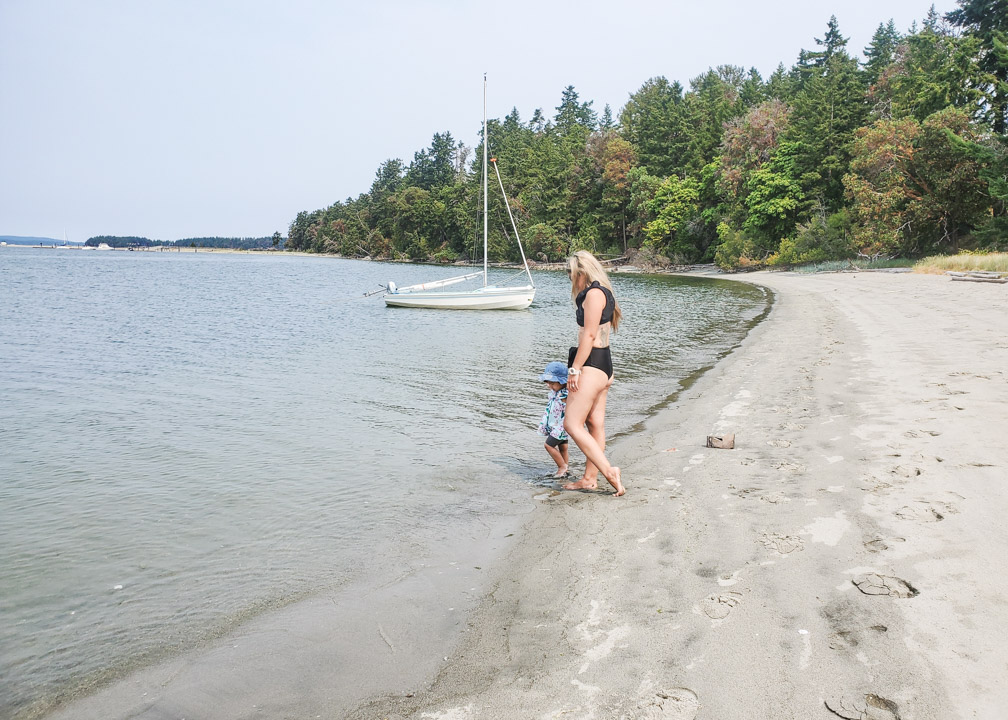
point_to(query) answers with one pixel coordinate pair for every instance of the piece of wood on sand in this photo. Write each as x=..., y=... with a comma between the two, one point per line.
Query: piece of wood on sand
x=978, y=276
x=725, y=442
x=979, y=279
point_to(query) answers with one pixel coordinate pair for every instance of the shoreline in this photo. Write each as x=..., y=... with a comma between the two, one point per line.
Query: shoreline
x=411, y=637
x=839, y=562
x=722, y=585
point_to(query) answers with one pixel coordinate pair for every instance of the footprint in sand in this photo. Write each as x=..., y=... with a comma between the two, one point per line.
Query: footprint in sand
x=792, y=426
x=790, y=467
x=675, y=704
x=873, y=484
x=946, y=390
x=863, y=707
x=880, y=544
x=969, y=374
x=923, y=512
x=779, y=443
x=905, y=471
x=875, y=584
x=775, y=498
x=783, y=544
x=719, y=606
x=852, y=638
x=921, y=433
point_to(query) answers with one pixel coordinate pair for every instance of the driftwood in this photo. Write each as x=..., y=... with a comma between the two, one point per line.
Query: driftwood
x=976, y=273
x=970, y=278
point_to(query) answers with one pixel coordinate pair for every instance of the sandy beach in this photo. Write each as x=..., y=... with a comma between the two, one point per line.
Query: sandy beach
x=840, y=561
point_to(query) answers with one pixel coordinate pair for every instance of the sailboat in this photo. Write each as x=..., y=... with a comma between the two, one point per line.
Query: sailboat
x=487, y=297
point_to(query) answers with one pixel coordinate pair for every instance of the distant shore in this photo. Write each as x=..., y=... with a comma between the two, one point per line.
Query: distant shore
x=547, y=266
x=842, y=560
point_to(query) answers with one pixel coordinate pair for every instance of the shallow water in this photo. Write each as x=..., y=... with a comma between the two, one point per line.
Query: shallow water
x=187, y=440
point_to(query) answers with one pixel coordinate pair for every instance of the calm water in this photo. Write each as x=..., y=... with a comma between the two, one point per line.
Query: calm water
x=187, y=440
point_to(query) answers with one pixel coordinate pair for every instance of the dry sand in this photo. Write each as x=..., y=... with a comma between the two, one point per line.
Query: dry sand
x=846, y=559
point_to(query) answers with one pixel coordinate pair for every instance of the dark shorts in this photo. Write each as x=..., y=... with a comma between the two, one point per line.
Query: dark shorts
x=553, y=442
x=599, y=358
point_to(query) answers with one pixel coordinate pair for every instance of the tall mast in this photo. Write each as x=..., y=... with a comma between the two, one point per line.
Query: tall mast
x=485, y=141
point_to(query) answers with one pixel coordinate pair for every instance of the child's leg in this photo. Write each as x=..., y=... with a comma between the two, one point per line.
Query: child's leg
x=558, y=458
x=563, y=453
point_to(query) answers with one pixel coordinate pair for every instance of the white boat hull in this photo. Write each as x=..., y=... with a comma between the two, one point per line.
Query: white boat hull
x=488, y=298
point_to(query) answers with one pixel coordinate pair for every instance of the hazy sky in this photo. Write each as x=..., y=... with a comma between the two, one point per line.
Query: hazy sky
x=184, y=118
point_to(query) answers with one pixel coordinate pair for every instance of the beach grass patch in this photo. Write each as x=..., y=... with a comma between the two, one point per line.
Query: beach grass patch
x=854, y=265
x=963, y=262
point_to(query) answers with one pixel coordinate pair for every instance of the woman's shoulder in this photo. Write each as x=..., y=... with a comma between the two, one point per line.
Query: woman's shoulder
x=596, y=285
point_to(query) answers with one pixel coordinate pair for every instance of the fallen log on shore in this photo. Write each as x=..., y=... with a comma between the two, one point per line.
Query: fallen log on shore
x=970, y=278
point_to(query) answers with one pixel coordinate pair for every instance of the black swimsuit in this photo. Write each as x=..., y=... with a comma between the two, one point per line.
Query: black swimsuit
x=599, y=357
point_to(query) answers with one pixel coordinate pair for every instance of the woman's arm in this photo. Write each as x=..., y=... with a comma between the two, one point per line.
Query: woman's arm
x=593, y=305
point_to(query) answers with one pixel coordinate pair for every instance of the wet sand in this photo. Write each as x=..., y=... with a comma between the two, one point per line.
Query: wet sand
x=845, y=559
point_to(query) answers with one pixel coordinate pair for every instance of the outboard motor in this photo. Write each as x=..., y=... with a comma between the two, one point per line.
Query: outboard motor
x=391, y=286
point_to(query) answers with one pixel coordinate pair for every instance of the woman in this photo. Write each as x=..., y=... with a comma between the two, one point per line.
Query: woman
x=590, y=370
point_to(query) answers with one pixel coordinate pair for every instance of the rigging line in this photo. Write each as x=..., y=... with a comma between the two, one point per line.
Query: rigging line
x=513, y=275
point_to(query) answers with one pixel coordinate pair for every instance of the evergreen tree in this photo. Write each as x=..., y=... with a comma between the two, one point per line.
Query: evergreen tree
x=987, y=20
x=827, y=111
x=606, y=123
x=714, y=99
x=881, y=52
x=754, y=90
x=434, y=166
x=832, y=44
x=814, y=62
x=780, y=85
x=388, y=178
x=572, y=114
x=652, y=122
x=933, y=69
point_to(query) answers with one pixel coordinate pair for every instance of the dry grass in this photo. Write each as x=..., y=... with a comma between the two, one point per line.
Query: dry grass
x=938, y=264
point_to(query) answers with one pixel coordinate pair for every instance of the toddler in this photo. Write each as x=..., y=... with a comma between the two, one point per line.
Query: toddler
x=552, y=423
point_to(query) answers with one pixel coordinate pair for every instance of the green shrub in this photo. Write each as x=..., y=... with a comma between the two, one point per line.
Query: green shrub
x=736, y=250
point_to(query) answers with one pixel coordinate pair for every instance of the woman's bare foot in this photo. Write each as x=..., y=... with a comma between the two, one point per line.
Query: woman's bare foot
x=561, y=472
x=582, y=484
x=616, y=482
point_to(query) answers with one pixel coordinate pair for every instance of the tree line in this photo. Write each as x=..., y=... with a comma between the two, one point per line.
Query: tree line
x=900, y=153
x=235, y=243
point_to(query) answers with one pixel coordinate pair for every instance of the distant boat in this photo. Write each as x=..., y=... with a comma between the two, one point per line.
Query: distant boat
x=487, y=297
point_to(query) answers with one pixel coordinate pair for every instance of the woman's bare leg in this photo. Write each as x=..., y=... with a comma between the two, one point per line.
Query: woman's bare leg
x=593, y=384
x=596, y=426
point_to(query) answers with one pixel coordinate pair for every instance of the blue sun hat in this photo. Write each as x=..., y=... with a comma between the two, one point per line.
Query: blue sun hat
x=555, y=372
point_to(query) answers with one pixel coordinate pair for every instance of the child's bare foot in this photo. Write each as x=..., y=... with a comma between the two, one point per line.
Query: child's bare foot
x=561, y=472
x=582, y=484
x=615, y=481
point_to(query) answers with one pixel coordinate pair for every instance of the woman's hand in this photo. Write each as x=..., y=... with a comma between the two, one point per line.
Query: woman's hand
x=573, y=378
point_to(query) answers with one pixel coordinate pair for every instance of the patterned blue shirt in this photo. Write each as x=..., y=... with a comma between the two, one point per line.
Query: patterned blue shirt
x=552, y=422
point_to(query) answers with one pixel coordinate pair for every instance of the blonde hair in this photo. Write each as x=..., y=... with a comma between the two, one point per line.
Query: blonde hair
x=582, y=264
